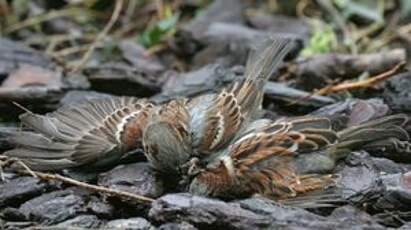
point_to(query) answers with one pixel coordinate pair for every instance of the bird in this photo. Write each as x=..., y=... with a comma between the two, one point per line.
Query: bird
x=167, y=138
x=215, y=144
x=217, y=118
x=98, y=132
x=266, y=158
x=195, y=128
x=90, y=134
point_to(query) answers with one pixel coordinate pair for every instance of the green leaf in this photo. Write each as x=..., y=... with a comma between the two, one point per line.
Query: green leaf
x=322, y=41
x=153, y=34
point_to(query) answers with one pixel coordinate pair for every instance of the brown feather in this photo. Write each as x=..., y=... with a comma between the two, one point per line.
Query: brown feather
x=223, y=121
x=237, y=105
x=92, y=131
x=261, y=160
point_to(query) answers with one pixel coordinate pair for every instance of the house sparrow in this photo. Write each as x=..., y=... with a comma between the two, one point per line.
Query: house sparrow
x=263, y=160
x=99, y=132
x=202, y=125
x=94, y=133
x=167, y=138
x=215, y=119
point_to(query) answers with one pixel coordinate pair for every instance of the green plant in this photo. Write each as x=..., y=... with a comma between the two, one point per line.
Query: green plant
x=322, y=41
x=154, y=33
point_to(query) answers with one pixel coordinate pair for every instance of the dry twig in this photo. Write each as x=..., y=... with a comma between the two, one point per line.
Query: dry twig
x=42, y=18
x=47, y=176
x=354, y=85
x=363, y=83
x=96, y=188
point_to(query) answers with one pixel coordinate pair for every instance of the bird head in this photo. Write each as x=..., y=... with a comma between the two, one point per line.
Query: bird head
x=167, y=138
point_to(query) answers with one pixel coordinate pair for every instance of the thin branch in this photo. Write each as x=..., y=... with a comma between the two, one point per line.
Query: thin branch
x=353, y=85
x=363, y=83
x=116, y=13
x=21, y=107
x=96, y=188
x=42, y=18
x=69, y=51
x=4, y=160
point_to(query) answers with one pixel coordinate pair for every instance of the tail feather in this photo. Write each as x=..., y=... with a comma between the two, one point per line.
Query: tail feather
x=266, y=57
x=366, y=136
x=390, y=145
x=395, y=120
x=387, y=132
x=317, y=199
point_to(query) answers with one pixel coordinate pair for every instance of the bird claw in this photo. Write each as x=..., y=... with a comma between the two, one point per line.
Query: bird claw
x=190, y=169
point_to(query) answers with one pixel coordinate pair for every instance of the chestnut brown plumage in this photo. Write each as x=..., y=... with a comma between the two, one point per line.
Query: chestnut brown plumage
x=215, y=119
x=101, y=131
x=263, y=160
x=200, y=126
x=167, y=138
x=214, y=142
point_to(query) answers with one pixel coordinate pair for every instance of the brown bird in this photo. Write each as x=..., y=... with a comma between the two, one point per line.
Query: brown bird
x=167, y=137
x=94, y=133
x=215, y=119
x=205, y=124
x=99, y=132
x=264, y=159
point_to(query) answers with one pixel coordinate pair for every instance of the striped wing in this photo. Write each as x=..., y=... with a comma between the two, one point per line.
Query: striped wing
x=261, y=161
x=237, y=105
x=94, y=131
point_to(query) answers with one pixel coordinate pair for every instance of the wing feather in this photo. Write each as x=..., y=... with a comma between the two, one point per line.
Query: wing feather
x=236, y=106
x=262, y=160
x=78, y=134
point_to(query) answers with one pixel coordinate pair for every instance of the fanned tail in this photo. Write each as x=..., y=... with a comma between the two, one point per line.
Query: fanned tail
x=381, y=134
x=325, y=198
x=266, y=57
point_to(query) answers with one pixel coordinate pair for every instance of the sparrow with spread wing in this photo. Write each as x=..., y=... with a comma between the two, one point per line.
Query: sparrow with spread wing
x=264, y=159
x=215, y=119
x=242, y=154
x=94, y=133
x=99, y=132
x=200, y=126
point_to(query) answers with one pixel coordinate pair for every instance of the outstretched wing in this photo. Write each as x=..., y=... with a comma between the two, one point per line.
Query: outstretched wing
x=94, y=131
x=233, y=107
x=261, y=161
